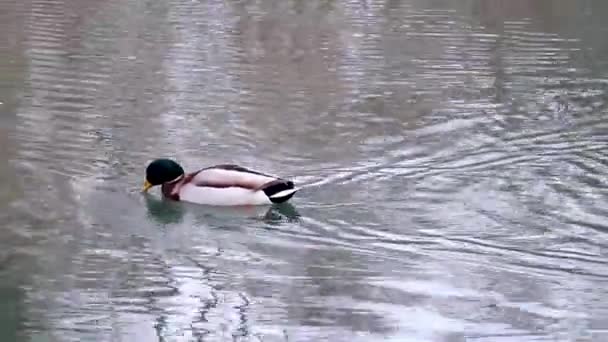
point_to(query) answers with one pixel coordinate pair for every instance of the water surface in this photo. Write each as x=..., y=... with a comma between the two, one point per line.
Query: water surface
x=452, y=158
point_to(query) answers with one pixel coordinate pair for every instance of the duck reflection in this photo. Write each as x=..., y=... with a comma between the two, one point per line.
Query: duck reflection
x=282, y=212
x=163, y=211
x=166, y=212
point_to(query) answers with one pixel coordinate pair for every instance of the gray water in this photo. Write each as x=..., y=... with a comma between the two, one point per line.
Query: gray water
x=452, y=158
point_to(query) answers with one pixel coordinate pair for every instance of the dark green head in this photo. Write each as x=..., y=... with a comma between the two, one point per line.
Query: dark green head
x=162, y=171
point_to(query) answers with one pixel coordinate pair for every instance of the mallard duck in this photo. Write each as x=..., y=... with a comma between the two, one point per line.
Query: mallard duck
x=222, y=185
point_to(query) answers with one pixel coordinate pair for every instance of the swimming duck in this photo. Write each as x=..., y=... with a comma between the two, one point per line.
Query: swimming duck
x=222, y=185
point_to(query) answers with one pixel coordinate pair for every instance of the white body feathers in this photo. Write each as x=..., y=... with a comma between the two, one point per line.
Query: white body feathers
x=231, y=185
x=222, y=196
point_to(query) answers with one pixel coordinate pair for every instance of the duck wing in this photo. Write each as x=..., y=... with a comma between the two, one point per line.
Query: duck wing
x=228, y=175
x=233, y=185
x=237, y=178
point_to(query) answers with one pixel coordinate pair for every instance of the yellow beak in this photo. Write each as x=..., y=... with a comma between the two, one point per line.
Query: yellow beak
x=147, y=186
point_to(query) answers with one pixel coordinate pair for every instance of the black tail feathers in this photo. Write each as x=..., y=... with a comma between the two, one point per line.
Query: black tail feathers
x=279, y=190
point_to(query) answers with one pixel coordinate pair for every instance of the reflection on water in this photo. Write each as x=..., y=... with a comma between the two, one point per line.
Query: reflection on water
x=163, y=211
x=166, y=212
x=451, y=157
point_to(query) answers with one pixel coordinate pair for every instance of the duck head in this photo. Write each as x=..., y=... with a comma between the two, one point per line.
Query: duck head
x=162, y=171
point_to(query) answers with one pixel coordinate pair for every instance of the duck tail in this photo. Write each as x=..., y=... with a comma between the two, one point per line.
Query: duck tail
x=279, y=191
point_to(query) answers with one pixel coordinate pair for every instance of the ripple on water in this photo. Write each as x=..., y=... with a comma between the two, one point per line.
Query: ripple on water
x=58, y=122
x=452, y=174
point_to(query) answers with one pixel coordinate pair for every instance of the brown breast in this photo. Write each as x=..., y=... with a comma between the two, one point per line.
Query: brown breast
x=171, y=190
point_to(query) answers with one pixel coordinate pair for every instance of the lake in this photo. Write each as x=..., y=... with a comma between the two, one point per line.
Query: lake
x=451, y=157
